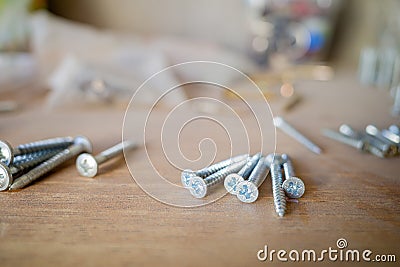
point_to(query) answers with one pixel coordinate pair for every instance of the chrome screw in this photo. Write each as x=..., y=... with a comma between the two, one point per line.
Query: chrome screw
x=291, y=131
x=88, y=165
x=81, y=144
x=199, y=186
x=188, y=174
x=232, y=180
x=276, y=162
x=247, y=191
x=293, y=186
x=7, y=152
x=353, y=142
x=372, y=130
x=23, y=163
x=395, y=138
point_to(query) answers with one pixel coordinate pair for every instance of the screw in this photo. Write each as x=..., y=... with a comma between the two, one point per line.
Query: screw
x=88, y=165
x=395, y=138
x=293, y=186
x=188, y=174
x=233, y=179
x=394, y=129
x=276, y=162
x=81, y=144
x=372, y=130
x=7, y=153
x=248, y=190
x=23, y=163
x=199, y=186
x=354, y=142
x=291, y=131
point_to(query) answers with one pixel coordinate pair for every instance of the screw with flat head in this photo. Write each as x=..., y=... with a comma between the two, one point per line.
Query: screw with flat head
x=7, y=152
x=81, y=144
x=276, y=162
x=232, y=180
x=23, y=163
x=88, y=165
x=293, y=186
x=187, y=174
x=247, y=191
x=199, y=187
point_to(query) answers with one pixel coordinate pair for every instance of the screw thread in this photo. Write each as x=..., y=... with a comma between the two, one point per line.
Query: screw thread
x=277, y=190
x=114, y=151
x=249, y=166
x=288, y=167
x=220, y=175
x=205, y=172
x=347, y=140
x=59, y=142
x=259, y=172
x=48, y=165
x=31, y=160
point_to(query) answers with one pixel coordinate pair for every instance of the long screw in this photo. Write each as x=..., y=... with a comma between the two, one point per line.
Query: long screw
x=372, y=130
x=232, y=180
x=292, y=185
x=199, y=186
x=188, y=174
x=81, y=144
x=7, y=152
x=248, y=190
x=24, y=163
x=291, y=131
x=88, y=165
x=277, y=179
x=350, y=141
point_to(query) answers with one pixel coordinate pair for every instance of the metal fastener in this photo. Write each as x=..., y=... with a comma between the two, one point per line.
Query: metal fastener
x=232, y=180
x=291, y=131
x=372, y=130
x=293, y=186
x=188, y=174
x=199, y=186
x=277, y=180
x=81, y=144
x=248, y=190
x=7, y=152
x=88, y=165
x=394, y=129
x=395, y=138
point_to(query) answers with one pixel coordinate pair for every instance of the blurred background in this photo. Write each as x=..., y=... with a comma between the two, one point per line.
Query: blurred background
x=96, y=51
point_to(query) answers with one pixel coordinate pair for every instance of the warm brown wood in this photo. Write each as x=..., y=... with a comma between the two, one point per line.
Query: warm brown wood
x=67, y=220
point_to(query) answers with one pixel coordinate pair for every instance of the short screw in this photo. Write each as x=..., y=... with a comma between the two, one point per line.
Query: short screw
x=199, y=186
x=81, y=144
x=232, y=180
x=7, y=152
x=395, y=138
x=291, y=131
x=293, y=186
x=88, y=165
x=372, y=130
x=277, y=180
x=23, y=163
x=188, y=174
x=248, y=190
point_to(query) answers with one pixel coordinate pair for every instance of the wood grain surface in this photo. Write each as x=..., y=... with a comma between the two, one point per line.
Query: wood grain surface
x=67, y=220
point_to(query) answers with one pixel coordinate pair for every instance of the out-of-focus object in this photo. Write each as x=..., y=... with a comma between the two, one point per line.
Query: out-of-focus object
x=8, y=106
x=396, y=105
x=295, y=29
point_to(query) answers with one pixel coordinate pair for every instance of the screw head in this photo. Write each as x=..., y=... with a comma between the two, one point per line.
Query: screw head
x=294, y=187
x=87, y=165
x=6, y=153
x=198, y=187
x=6, y=178
x=186, y=176
x=247, y=192
x=85, y=142
x=231, y=182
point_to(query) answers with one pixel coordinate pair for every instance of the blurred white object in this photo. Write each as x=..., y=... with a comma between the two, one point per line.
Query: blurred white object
x=17, y=70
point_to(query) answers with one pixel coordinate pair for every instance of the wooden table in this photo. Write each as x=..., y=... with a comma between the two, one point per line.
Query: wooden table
x=67, y=220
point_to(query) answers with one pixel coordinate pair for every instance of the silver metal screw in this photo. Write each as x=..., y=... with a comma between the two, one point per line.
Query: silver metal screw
x=88, y=165
x=353, y=142
x=232, y=180
x=81, y=144
x=22, y=164
x=188, y=174
x=291, y=131
x=7, y=153
x=293, y=186
x=199, y=186
x=372, y=130
x=394, y=129
x=248, y=190
x=395, y=138
x=277, y=180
